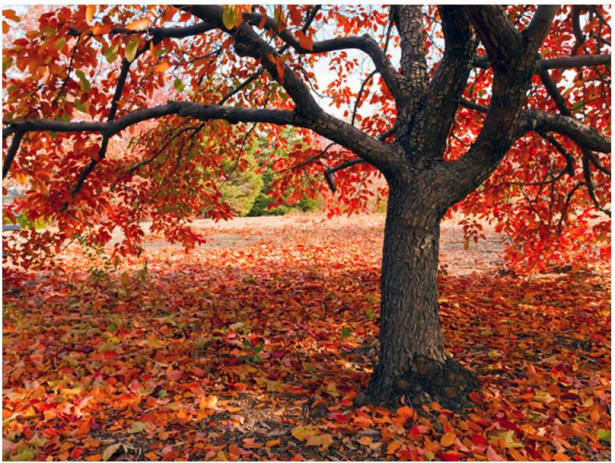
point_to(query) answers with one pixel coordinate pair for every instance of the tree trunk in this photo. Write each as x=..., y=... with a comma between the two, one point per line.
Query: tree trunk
x=412, y=359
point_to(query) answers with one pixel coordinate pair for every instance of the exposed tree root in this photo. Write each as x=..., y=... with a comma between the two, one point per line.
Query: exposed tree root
x=428, y=381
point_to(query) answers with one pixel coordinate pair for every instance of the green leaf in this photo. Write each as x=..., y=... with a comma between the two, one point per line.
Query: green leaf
x=345, y=332
x=137, y=426
x=301, y=433
x=131, y=49
x=7, y=62
x=25, y=455
x=80, y=106
x=508, y=437
x=230, y=15
x=162, y=393
x=604, y=435
x=179, y=85
x=83, y=80
x=60, y=43
x=111, y=54
x=578, y=106
x=110, y=451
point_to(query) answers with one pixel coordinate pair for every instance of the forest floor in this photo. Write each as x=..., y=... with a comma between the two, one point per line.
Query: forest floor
x=253, y=347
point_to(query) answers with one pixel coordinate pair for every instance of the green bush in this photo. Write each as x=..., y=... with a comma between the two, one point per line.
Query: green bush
x=242, y=188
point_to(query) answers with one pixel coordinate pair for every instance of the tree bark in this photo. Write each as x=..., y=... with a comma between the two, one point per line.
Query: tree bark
x=412, y=358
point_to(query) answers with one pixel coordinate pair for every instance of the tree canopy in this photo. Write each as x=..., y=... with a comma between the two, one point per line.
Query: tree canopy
x=112, y=113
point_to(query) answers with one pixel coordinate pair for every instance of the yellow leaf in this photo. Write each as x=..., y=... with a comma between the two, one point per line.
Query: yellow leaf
x=210, y=403
x=448, y=439
x=324, y=440
x=231, y=17
x=162, y=67
x=131, y=49
x=89, y=13
x=301, y=433
x=273, y=443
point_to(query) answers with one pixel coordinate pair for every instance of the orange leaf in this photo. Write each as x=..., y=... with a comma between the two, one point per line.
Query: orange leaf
x=595, y=414
x=365, y=440
x=305, y=41
x=393, y=447
x=448, y=439
x=280, y=68
x=234, y=450
x=10, y=14
x=139, y=25
x=89, y=13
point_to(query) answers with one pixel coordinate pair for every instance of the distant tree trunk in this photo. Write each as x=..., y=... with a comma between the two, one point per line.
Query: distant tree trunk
x=412, y=359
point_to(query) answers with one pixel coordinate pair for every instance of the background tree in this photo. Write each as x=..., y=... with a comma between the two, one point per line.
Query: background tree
x=472, y=84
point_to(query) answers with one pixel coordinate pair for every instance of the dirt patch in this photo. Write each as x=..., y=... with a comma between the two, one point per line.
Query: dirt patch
x=456, y=257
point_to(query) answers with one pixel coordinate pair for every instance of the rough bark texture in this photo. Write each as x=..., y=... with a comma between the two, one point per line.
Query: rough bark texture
x=412, y=359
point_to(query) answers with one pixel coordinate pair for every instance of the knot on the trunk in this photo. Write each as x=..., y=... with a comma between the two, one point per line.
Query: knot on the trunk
x=447, y=383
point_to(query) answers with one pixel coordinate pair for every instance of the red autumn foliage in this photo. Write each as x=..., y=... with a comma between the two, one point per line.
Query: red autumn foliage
x=258, y=348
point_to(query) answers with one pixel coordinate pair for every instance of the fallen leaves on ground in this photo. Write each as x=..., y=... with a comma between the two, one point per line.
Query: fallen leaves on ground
x=256, y=352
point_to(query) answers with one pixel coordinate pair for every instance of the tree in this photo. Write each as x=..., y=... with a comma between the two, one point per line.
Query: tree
x=242, y=185
x=473, y=84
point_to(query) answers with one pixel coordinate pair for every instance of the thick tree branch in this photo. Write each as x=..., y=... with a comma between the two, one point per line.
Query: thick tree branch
x=566, y=62
x=563, y=62
x=179, y=108
x=541, y=121
x=327, y=126
x=308, y=113
x=539, y=27
x=576, y=28
x=513, y=57
x=409, y=22
x=499, y=36
x=159, y=33
x=580, y=133
x=562, y=106
x=449, y=80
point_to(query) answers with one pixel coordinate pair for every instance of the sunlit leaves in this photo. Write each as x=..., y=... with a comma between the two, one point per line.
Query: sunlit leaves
x=179, y=85
x=231, y=16
x=305, y=41
x=131, y=49
x=90, y=10
x=139, y=24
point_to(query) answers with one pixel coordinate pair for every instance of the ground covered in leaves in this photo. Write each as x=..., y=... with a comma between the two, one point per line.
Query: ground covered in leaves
x=254, y=348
